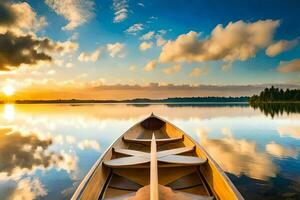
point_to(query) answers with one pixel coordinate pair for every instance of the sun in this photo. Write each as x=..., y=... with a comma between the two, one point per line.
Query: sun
x=8, y=90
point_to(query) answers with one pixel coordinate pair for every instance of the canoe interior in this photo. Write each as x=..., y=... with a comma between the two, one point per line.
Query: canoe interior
x=206, y=180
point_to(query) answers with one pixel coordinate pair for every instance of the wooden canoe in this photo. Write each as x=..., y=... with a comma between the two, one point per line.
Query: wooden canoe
x=183, y=169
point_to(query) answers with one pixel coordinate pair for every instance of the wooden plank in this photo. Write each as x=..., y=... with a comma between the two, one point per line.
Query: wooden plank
x=182, y=160
x=174, y=151
x=148, y=142
x=126, y=161
x=131, y=152
x=153, y=172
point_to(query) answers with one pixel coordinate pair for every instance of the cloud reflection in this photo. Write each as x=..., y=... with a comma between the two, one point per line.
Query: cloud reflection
x=28, y=189
x=21, y=154
x=238, y=156
x=291, y=131
x=279, y=151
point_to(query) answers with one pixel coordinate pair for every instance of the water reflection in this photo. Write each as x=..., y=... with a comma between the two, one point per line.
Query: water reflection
x=291, y=131
x=276, y=109
x=43, y=145
x=238, y=156
x=9, y=112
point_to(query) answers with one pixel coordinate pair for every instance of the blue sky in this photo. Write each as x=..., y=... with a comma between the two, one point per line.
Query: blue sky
x=93, y=25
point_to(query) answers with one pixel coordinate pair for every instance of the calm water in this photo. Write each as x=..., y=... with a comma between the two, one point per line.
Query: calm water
x=46, y=150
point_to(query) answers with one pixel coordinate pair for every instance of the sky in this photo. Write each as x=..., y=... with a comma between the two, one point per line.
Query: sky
x=124, y=49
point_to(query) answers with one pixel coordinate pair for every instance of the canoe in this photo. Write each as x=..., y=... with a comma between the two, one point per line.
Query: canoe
x=156, y=160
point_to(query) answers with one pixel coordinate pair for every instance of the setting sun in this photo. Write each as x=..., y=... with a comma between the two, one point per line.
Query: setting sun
x=8, y=90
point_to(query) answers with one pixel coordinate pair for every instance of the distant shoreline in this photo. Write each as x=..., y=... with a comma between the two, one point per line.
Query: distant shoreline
x=181, y=100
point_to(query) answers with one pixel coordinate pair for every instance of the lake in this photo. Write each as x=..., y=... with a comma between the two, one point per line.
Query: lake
x=46, y=150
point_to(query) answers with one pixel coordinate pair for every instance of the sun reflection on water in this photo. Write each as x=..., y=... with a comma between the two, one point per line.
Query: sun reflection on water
x=9, y=112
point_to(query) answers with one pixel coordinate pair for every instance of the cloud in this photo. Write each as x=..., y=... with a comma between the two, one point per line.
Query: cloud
x=19, y=18
x=89, y=57
x=135, y=28
x=116, y=49
x=281, y=152
x=145, y=45
x=28, y=189
x=77, y=12
x=291, y=131
x=121, y=10
x=237, y=41
x=160, y=41
x=29, y=49
x=280, y=46
x=173, y=69
x=197, y=71
x=147, y=36
x=238, y=156
x=150, y=66
x=89, y=144
x=290, y=66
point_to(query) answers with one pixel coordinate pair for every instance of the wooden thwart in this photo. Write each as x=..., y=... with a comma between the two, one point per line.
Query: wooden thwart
x=148, y=141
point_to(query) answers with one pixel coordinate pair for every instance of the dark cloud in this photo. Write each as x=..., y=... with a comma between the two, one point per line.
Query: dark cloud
x=7, y=16
x=16, y=50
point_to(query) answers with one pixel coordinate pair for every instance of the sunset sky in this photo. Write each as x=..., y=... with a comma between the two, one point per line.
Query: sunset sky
x=123, y=49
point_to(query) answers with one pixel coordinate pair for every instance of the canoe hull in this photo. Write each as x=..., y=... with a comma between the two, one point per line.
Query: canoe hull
x=96, y=181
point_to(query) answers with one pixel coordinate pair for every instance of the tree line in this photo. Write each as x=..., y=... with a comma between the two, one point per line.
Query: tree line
x=273, y=94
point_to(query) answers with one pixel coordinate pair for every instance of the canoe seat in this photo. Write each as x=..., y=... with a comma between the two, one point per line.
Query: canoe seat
x=148, y=141
x=136, y=158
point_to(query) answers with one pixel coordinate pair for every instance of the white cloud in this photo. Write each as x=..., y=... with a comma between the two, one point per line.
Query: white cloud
x=121, y=10
x=25, y=19
x=290, y=66
x=280, y=46
x=160, y=41
x=135, y=28
x=145, y=45
x=236, y=41
x=77, y=12
x=67, y=47
x=197, y=71
x=147, y=36
x=89, y=57
x=116, y=49
x=172, y=69
x=89, y=144
x=281, y=152
x=150, y=66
